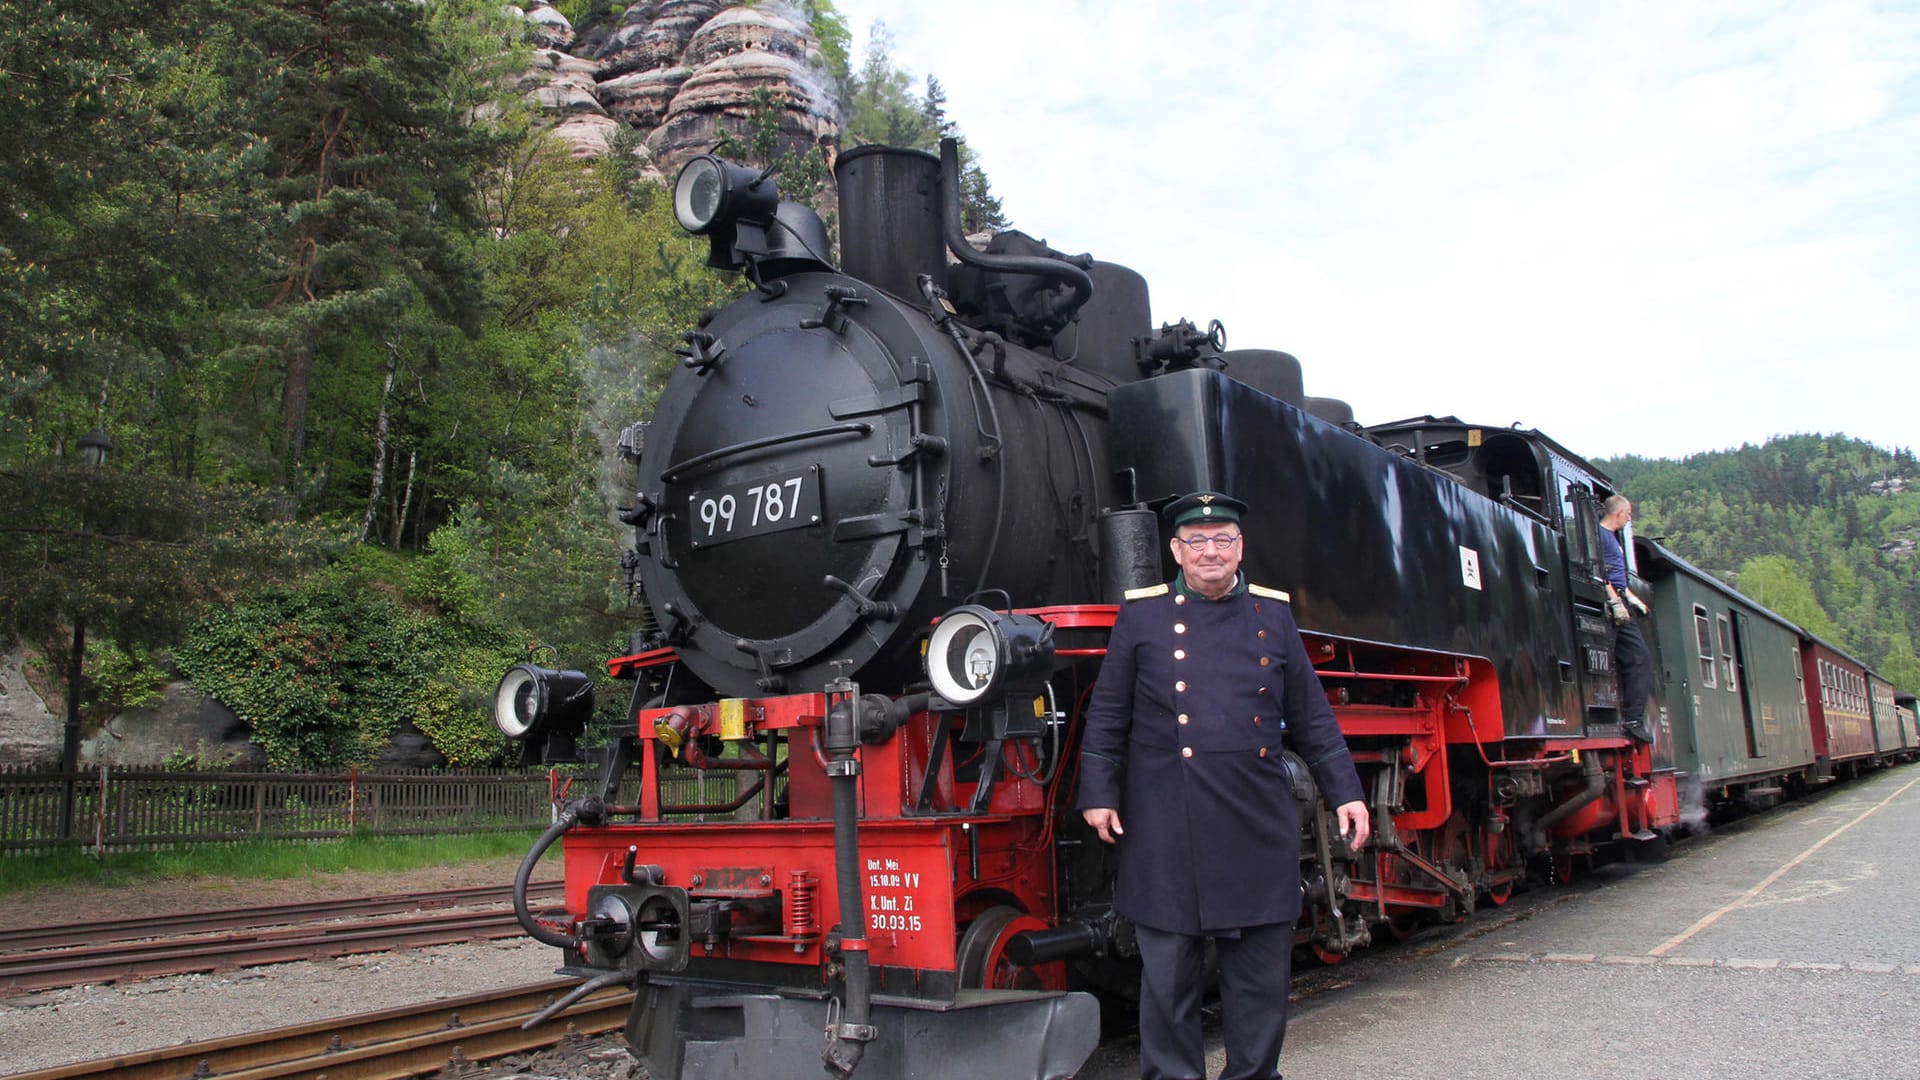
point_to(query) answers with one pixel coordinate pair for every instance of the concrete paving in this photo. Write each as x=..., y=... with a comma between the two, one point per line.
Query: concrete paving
x=1787, y=945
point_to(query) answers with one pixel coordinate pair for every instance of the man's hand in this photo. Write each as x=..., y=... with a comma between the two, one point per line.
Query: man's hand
x=1638, y=605
x=1107, y=822
x=1617, y=611
x=1355, y=822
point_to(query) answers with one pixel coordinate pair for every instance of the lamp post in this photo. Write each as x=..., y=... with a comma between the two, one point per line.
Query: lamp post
x=93, y=447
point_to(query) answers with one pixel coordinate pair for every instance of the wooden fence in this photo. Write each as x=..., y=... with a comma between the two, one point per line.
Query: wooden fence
x=123, y=808
x=118, y=809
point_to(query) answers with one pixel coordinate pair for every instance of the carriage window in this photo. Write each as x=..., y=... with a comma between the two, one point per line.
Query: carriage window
x=1703, y=634
x=1726, y=654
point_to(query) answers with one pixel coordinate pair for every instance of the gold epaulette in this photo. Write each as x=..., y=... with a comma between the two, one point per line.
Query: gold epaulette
x=1271, y=594
x=1146, y=591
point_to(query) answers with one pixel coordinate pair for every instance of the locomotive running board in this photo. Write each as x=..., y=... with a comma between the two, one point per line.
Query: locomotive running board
x=689, y=1032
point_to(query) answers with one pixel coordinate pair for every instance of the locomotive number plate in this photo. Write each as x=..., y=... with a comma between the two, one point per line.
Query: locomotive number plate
x=786, y=500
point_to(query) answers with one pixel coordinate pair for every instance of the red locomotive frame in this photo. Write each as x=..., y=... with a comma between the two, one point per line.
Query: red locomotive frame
x=938, y=854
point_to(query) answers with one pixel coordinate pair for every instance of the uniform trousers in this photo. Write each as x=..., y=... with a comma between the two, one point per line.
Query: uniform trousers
x=1255, y=966
x=1635, y=667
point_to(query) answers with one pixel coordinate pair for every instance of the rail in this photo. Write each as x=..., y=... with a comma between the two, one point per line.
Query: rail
x=392, y=1043
x=68, y=934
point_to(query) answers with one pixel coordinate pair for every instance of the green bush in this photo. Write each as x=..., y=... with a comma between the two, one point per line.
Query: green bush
x=322, y=675
x=122, y=679
x=456, y=704
x=202, y=758
x=365, y=567
x=444, y=576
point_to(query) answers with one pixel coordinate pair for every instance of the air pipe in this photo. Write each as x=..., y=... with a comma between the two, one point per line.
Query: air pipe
x=1596, y=784
x=570, y=816
x=956, y=240
x=847, y=1040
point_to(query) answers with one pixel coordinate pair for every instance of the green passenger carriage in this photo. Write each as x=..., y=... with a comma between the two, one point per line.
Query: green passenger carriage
x=1731, y=677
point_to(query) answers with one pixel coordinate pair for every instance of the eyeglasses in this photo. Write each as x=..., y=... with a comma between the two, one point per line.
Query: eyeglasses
x=1223, y=542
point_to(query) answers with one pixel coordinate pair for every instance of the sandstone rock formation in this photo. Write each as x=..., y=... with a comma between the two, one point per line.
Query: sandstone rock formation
x=184, y=720
x=409, y=749
x=30, y=733
x=681, y=72
x=550, y=28
x=562, y=88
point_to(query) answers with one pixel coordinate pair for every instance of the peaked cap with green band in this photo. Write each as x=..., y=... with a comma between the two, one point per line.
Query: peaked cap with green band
x=1204, y=508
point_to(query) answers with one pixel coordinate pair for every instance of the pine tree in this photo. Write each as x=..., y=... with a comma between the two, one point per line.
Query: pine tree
x=881, y=109
x=371, y=163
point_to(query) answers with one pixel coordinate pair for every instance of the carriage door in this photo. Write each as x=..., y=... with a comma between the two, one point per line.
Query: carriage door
x=1741, y=682
x=1586, y=581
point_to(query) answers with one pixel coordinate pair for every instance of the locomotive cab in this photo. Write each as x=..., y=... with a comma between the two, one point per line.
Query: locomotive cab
x=1528, y=473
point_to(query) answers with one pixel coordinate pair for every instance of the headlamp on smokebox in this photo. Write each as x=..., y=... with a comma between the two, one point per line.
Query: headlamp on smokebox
x=995, y=666
x=543, y=711
x=739, y=210
x=731, y=205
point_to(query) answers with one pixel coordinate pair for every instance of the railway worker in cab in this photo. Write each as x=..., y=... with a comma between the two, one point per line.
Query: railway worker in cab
x=1205, y=683
x=1630, y=657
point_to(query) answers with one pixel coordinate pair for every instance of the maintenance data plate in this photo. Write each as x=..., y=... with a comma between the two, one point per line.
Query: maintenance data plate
x=786, y=500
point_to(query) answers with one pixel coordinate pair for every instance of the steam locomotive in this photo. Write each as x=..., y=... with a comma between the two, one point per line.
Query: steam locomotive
x=883, y=517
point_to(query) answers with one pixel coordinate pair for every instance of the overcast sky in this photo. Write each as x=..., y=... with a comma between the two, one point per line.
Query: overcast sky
x=1654, y=228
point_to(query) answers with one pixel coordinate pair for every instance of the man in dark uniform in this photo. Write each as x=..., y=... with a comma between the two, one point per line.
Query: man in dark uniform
x=1631, y=661
x=1205, y=682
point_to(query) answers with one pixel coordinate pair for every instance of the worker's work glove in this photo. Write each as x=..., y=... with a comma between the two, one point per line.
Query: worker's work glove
x=1638, y=605
x=1617, y=611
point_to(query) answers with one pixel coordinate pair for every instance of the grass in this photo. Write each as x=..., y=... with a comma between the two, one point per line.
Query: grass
x=258, y=859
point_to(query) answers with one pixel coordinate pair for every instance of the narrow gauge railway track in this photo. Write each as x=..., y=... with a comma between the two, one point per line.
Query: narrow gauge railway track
x=68, y=935
x=47, y=969
x=392, y=1043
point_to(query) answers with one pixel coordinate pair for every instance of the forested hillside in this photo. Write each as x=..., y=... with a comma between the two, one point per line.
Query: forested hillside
x=362, y=334
x=1823, y=529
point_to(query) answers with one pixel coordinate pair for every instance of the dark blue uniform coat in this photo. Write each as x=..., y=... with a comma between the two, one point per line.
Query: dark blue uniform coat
x=1194, y=703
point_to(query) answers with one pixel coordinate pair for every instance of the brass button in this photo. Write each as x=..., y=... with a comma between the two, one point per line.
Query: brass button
x=1264, y=661
x=1179, y=654
x=1179, y=628
x=1263, y=689
x=1263, y=751
x=1184, y=718
x=1179, y=599
x=1256, y=721
x=1187, y=751
x=1180, y=686
x=1263, y=635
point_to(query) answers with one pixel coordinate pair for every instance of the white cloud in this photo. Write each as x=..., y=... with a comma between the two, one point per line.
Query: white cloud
x=1644, y=228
